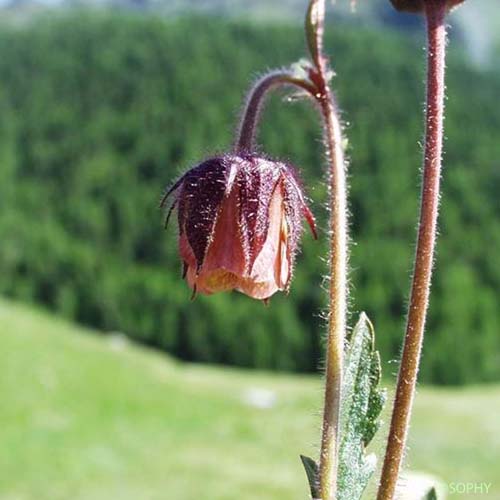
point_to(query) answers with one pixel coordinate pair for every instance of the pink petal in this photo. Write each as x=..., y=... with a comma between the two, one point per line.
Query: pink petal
x=271, y=268
x=258, y=290
x=226, y=249
x=224, y=264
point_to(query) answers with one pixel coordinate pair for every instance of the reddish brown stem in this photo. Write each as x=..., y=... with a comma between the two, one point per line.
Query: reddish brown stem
x=407, y=379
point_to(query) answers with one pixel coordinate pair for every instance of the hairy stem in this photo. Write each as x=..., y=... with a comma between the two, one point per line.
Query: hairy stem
x=339, y=241
x=407, y=379
x=256, y=97
x=330, y=440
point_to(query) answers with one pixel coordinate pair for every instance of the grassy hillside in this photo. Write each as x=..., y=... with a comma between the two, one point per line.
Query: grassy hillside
x=90, y=417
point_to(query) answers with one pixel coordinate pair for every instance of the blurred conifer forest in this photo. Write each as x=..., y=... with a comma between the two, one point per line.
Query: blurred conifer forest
x=99, y=112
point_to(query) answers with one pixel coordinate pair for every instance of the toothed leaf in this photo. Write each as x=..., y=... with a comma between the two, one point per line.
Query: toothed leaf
x=362, y=402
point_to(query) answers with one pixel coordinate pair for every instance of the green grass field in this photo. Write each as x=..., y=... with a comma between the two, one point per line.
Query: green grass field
x=84, y=416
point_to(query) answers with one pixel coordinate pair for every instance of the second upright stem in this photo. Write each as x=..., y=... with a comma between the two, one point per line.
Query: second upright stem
x=407, y=379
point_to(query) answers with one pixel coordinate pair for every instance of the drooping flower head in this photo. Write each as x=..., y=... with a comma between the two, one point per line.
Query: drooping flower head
x=240, y=222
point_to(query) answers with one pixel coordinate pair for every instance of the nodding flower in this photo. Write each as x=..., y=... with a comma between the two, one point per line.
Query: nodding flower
x=240, y=223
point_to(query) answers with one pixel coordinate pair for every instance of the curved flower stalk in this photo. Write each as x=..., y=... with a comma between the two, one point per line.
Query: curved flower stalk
x=245, y=141
x=435, y=13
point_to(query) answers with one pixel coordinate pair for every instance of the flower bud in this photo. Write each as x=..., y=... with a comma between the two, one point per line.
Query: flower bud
x=240, y=222
x=418, y=6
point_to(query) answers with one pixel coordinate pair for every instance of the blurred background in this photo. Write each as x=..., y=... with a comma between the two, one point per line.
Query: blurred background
x=102, y=105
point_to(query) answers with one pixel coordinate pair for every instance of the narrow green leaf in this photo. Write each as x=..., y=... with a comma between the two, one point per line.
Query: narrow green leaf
x=362, y=402
x=312, y=472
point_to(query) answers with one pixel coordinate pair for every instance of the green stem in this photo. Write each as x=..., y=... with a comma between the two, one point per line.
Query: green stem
x=330, y=441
